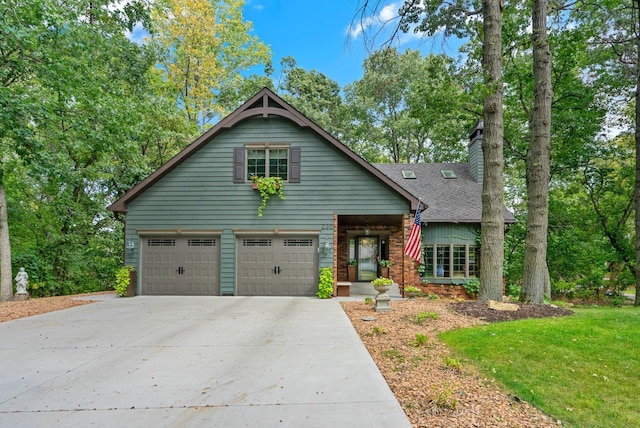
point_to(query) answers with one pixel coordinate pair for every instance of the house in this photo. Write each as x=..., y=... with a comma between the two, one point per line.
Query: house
x=192, y=226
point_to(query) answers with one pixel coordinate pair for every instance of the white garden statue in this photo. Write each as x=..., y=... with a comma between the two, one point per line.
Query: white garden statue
x=21, y=282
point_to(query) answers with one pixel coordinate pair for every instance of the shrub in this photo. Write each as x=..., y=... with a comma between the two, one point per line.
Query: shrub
x=513, y=290
x=378, y=331
x=422, y=316
x=325, y=285
x=122, y=280
x=419, y=340
x=452, y=363
x=472, y=287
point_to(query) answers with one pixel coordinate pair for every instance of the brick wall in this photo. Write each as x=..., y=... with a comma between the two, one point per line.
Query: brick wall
x=445, y=291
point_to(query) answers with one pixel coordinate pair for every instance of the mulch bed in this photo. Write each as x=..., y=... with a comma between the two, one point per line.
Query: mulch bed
x=482, y=311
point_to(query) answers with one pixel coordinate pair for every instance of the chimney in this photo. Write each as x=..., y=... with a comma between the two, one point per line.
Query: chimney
x=476, y=158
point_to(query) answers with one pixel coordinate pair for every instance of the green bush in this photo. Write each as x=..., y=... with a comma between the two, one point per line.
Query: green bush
x=122, y=280
x=325, y=285
x=472, y=287
x=513, y=290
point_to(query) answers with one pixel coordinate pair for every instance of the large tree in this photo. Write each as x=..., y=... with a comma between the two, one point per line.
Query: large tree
x=538, y=161
x=204, y=45
x=458, y=18
x=409, y=107
x=492, y=251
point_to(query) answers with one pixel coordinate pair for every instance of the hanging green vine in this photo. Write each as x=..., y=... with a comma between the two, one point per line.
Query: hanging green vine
x=267, y=186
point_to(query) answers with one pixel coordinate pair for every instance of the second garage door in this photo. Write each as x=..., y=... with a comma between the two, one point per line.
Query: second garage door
x=277, y=266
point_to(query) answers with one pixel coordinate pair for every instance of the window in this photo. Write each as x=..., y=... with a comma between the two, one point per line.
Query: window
x=451, y=261
x=459, y=261
x=267, y=162
x=443, y=266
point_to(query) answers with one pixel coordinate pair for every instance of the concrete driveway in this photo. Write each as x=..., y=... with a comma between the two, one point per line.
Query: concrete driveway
x=192, y=361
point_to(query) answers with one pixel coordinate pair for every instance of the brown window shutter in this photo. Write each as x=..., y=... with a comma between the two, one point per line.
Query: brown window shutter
x=238, y=165
x=294, y=165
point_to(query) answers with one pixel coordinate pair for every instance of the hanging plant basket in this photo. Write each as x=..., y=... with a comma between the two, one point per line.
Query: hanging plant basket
x=267, y=186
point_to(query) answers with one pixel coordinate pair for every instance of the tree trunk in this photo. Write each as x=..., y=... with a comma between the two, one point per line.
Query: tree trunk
x=637, y=138
x=492, y=249
x=538, y=162
x=6, y=278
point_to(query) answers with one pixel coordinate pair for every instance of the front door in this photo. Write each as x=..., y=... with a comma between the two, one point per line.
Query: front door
x=367, y=250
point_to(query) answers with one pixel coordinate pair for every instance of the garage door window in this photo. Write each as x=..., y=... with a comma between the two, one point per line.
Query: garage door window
x=210, y=242
x=256, y=242
x=158, y=242
x=298, y=242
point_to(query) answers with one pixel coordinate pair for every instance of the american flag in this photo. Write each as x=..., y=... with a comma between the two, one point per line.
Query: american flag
x=412, y=249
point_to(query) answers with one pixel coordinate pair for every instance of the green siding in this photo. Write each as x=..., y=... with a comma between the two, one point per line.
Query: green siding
x=450, y=233
x=200, y=193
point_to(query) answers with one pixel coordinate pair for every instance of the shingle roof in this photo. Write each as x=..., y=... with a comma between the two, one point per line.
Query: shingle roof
x=449, y=200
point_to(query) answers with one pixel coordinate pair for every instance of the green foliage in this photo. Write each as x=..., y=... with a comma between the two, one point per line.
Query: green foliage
x=407, y=108
x=268, y=186
x=378, y=331
x=423, y=316
x=579, y=370
x=419, y=340
x=39, y=289
x=204, y=46
x=384, y=263
x=432, y=296
x=315, y=95
x=393, y=354
x=368, y=300
x=452, y=364
x=380, y=281
x=472, y=287
x=122, y=280
x=444, y=396
x=512, y=290
x=325, y=285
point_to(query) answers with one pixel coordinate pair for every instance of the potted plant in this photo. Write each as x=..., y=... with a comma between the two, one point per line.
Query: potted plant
x=382, y=285
x=412, y=292
x=267, y=186
x=384, y=267
x=352, y=270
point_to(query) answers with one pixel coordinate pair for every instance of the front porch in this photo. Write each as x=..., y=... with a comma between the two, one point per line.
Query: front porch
x=365, y=240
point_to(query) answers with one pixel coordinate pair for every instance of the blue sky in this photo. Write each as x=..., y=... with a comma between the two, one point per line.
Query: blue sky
x=320, y=35
x=328, y=36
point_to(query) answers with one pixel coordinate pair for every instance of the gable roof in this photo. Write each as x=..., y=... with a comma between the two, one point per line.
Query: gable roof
x=450, y=200
x=264, y=104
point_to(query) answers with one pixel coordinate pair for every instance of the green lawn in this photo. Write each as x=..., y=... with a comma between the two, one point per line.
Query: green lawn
x=583, y=369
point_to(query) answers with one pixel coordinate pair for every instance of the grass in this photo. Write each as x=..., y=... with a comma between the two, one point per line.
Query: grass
x=422, y=316
x=583, y=369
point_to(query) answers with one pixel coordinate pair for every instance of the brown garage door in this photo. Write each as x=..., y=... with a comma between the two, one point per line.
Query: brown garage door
x=277, y=266
x=181, y=266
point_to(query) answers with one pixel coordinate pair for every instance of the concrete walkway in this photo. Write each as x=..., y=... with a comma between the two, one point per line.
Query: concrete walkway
x=190, y=362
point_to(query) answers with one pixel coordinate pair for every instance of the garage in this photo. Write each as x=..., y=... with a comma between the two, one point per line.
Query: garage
x=277, y=266
x=180, y=266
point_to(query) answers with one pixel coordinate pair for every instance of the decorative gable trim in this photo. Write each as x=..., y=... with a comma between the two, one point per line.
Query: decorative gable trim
x=264, y=104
